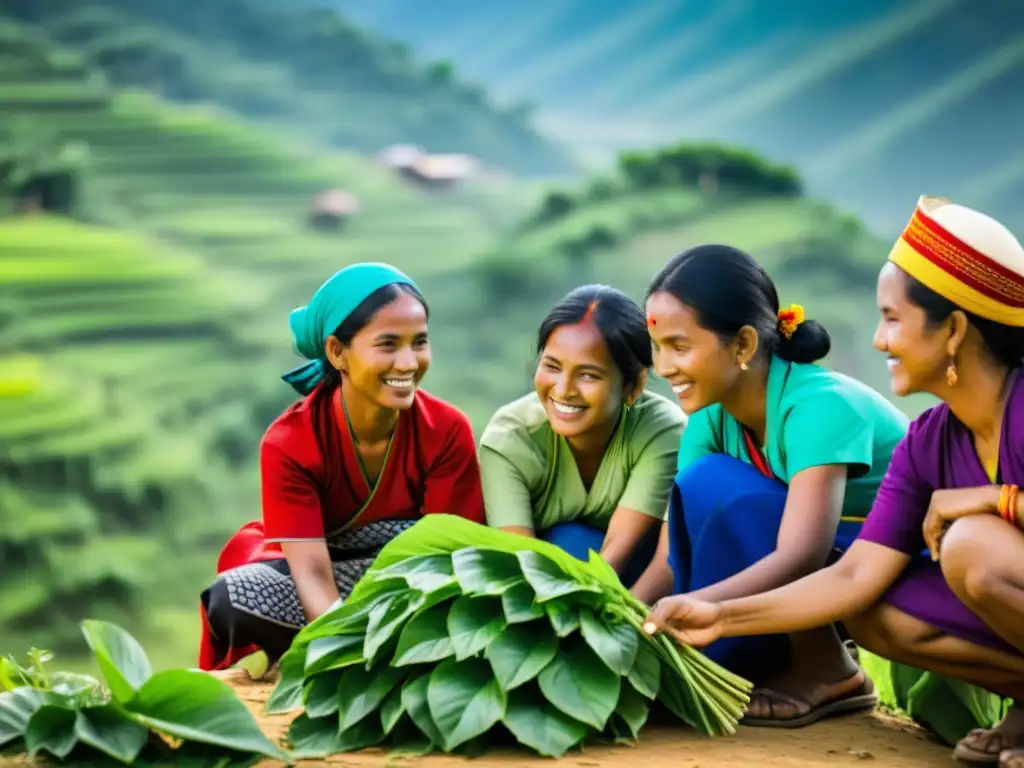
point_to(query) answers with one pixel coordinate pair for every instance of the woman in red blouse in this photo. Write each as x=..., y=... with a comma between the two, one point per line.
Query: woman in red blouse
x=357, y=461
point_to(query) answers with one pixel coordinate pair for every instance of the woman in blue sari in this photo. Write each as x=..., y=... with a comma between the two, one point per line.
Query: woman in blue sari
x=778, y=466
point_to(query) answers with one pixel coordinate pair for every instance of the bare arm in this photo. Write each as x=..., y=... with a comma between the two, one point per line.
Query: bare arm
x=813, y=508
x=656, y=581
x=626, y=530
x=313, y=574
x=853, y=584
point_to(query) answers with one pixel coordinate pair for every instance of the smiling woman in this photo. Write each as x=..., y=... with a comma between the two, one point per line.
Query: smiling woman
x=354, y=463
x=586, y=460
x=779, y=464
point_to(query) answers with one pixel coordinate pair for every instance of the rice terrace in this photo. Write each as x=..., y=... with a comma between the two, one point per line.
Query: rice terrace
x=176, y=177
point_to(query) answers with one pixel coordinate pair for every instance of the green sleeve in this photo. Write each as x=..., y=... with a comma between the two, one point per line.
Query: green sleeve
x=698, y=439
x=651, y=476
x=506, y=494
x=827, y=428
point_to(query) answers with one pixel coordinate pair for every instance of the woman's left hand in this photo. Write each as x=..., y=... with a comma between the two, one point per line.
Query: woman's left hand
x=949, y=505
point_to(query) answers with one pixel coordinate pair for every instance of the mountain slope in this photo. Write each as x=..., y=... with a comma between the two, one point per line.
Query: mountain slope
x=324, y=78
x=876, y=102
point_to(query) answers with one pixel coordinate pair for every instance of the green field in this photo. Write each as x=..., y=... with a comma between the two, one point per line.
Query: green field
x=142, y=343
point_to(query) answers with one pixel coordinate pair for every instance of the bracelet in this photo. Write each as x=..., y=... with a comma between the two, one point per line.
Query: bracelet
x=1007, y=506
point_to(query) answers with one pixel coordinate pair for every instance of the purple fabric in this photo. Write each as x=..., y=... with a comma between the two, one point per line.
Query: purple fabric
x=938, y=452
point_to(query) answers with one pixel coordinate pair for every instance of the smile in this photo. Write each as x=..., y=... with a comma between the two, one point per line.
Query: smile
x=568, y=410
x=397, y=383
x=680, y=389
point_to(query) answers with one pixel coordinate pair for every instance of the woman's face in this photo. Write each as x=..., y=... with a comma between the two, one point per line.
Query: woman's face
x=918, y=352
x=389, y=356
x=700, y=368
x=578, y=381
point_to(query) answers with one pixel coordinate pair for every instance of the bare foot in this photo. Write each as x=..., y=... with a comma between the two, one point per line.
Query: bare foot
x=983, y=746
x=1011, y=758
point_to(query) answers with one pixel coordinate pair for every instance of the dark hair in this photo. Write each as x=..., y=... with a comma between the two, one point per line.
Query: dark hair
x=1004, y=342
x=363, y=314
x=727, y=290
x=618, y=319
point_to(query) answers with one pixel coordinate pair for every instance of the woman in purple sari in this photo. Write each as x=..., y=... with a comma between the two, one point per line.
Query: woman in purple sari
x=952, y=325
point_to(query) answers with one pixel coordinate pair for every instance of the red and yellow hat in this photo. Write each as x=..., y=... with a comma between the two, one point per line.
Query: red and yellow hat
x=966, y=256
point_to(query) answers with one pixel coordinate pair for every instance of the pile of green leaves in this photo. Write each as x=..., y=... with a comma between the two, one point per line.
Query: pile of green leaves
x=175, y=717
x=460, y=636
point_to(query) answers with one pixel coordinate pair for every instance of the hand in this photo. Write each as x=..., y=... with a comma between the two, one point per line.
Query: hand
x=691, y=622
x=949, y=505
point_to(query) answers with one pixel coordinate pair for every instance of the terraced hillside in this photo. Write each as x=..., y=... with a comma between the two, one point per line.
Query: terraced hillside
x=141, y=351
x=309, y=71
x=876, y=101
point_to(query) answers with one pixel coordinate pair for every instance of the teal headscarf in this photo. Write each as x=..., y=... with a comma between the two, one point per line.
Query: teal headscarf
x=332, y=303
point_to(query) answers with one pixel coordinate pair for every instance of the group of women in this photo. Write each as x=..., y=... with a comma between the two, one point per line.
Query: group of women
x=785, y=518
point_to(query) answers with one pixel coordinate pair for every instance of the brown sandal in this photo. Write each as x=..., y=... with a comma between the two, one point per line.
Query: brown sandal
x=984, y=746
x=864, y=697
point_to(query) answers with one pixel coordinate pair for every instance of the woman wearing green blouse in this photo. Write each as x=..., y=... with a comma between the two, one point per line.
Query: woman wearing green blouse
x=587, y=460
x=778, y=468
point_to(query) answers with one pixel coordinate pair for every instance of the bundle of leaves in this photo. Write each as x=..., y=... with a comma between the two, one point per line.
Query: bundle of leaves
x=176, y=717
x=461, y=636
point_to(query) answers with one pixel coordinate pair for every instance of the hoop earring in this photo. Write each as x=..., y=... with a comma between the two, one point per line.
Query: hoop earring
x=951, y=375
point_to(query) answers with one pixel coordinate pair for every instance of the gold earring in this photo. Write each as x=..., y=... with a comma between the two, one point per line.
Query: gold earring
x=951, y=377
x=743, y=367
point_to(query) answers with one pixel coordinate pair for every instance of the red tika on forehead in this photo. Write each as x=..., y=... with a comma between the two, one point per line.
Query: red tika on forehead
x=651, y=322
x=962, y=262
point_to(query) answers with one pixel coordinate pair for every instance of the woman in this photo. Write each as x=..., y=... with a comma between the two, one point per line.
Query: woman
x=358, y=460
x=952, y=325
x=586, y=460
x=779, y=464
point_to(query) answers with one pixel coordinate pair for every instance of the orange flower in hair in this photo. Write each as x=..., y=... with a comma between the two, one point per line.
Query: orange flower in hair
x=790, y=319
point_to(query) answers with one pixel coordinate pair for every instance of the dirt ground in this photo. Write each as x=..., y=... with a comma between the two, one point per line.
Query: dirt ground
x=847, y=741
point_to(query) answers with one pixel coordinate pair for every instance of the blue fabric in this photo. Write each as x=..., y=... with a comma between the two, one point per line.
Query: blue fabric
x=578, y=539
x=331, y=304
x=723, y=517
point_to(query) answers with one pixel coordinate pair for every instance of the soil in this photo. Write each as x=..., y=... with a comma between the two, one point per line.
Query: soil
x=852, y=740
x=845, y=741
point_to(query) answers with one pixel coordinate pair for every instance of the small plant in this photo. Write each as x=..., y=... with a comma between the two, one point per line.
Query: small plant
x=174, y=717
x=460, y=636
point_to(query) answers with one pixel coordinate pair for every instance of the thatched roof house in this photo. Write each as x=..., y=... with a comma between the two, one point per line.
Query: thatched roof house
x=330, y=209
x=442, y=171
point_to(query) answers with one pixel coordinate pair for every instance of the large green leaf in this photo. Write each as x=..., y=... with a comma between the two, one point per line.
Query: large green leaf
x=313, y=738
x=645, y=674
x=536, y=723
x=108, y=730
x=464, y=699
x=287, y=694
x=485, y=572
x=425, y=638
x=616, y=644
x=353, y=615
x=473, y=623
x=519, y=605
x=520, y=652
x=391, y=711
x=366, y=733
x=321, y=693
x=361, y=691
x=196, y=706
x=632, y=708
x=445, y=534
x=121, y=660
x=16, y=707
x=563, y=618
x=51, y=728
x=414, y=699
x=548, y=579
x=334, y=652
x=579, y=684
x=425, y=572
x=385, y=620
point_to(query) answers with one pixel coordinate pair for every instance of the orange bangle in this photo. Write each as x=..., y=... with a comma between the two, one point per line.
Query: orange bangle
x=1004, y=497
x=1011, y=506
